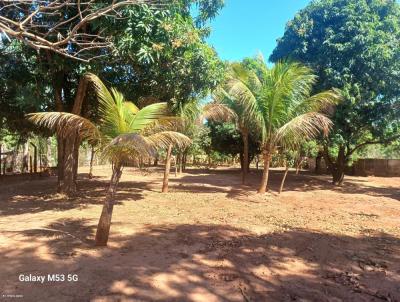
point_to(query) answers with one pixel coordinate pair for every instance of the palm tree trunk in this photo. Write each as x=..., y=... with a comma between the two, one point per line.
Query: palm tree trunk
x=104, y=225
x=284, y=177
x=167, y=168
x=91, y=163
x=25, y=158
x=176, y=166
x=245, y=166
x=264, y=180
x=68, y=185
x=35, y=166
x=180, y=157
x=184, y=161
x=60, y=163
x=298, y=164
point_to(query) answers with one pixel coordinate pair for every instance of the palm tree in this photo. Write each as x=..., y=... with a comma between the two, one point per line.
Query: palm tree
x=124, y=132
x=236, y=109
x=279, y=100
x=189, y=115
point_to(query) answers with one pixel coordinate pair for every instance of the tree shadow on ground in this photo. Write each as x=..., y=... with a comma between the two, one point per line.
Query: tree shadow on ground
x=211, y=263
x=41, y=195
x=229, y=181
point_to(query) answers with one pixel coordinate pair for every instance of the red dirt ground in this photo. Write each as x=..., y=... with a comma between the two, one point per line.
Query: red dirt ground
x=210, y=239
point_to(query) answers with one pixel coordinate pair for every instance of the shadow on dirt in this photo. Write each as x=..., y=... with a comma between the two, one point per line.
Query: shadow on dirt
x=215, y=263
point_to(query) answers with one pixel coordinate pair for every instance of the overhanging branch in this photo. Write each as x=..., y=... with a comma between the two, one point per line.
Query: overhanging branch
x=61, y=26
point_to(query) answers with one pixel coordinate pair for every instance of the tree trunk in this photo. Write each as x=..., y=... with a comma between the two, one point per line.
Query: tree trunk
x=284, y=177
x=68, y=185
x=34, y=158
x=264, y=181
x=25, y=158
x=245, y=167
x=77, y=144
x=4, y=165
x=184, y=161
x=338, y=175
x=104, y=225
x=60, y=163
x=175, y=165
x=14, y=158
x=156, y=160
x=1, y=159
x=167, y=168
x=180, y=156
x=338, y=167
x=257, y=161
x=71, y=146
x=91, y=163
x=48, y=153
x=318, y=160
x=298, y=164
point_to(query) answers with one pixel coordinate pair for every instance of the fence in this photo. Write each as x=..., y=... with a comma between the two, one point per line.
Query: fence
x=365, y=167
x=377, y=167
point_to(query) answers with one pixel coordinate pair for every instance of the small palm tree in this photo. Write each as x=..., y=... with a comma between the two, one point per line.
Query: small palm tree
x=235, y=108
x=124, y=133
x=279, y=100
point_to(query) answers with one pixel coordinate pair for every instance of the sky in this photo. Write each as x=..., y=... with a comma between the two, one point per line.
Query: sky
x=246, y=27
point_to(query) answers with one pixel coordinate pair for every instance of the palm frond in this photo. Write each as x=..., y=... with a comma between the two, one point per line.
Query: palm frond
x=323, y=102
x=131, y=107
x=302, y=127
x=218, y=112
x=130, y=143
x=147, y=116
x=162, y=140
x=66, y=124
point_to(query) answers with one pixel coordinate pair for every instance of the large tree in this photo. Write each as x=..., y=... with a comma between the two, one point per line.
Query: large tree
x=353, y=45
x=177, y=72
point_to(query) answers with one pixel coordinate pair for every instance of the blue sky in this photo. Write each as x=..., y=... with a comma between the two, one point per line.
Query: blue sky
x=246, y=27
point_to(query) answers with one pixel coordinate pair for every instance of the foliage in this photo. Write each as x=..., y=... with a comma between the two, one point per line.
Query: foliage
x=183, y=68
x=162, y=55
x=355, y=46
x=225, y=138
x=379, y=151
x=124, y=131
x=279, y=101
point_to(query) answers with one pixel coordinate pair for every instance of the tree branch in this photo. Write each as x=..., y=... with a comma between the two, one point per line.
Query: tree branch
x=385, y=141
x=60, y=26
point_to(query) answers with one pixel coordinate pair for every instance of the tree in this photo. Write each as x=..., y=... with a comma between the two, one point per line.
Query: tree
x=184, y=67
x=63, y=27
x=163, y=55
x=238, y=73
x=124, y=131
x=353, y=45
x=280, y=102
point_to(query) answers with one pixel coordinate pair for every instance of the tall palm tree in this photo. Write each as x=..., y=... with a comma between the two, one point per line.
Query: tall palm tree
x=124, y=132
x=279, y=100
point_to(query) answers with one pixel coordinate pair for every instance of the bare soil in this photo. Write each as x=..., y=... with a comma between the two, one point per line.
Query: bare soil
x=209, y=239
